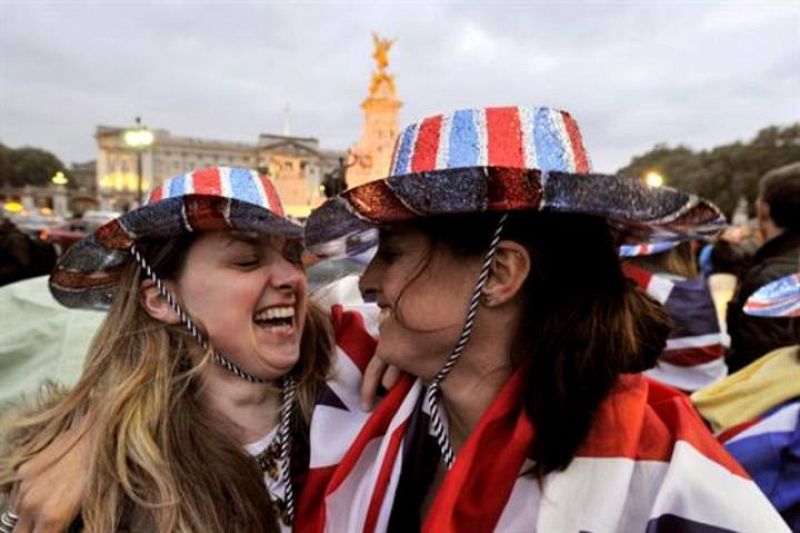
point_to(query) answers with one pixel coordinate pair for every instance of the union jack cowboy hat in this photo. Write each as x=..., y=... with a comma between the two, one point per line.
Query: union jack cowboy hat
x=210, y=199
x=502, y=159
x=508, y=159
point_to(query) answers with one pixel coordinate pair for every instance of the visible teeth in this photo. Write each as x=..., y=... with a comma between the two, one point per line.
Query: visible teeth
x=275, y=312
x=278, y=328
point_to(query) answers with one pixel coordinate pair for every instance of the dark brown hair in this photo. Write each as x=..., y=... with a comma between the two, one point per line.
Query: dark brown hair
x=780, y=189
x=583, y=323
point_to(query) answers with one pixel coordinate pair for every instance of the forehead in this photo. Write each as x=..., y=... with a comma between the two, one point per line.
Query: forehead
x=221, y=240
x=401, y=233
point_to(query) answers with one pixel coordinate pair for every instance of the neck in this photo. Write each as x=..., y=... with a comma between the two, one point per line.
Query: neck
x=475, y=381
x=251, y=409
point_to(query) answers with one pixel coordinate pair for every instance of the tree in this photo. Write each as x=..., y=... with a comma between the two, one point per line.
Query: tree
x=725, y=173
x=28, y=166
x=5, y=166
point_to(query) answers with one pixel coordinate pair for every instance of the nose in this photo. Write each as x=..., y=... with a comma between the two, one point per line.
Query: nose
x=286, y=276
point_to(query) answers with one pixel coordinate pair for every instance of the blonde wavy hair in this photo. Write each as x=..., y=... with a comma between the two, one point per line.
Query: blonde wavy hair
x=159, y=459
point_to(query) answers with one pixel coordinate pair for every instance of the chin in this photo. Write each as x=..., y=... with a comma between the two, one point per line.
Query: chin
x=283, y=363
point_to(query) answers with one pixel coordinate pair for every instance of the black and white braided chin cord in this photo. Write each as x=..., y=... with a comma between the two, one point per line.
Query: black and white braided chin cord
x=187, y=322
x=288, y=386
x=285, y=443
x=434, y=389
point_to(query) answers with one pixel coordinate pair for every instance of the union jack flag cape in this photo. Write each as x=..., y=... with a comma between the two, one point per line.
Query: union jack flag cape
x=648, y=464
x=755, y=413
x=694, y=357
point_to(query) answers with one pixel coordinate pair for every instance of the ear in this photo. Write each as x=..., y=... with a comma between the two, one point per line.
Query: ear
x=155, y=304
x=510, y=269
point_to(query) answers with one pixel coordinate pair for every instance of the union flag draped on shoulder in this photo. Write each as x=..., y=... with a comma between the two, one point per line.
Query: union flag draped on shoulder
x=648, y=464
x=756, y=414
x=694, y=356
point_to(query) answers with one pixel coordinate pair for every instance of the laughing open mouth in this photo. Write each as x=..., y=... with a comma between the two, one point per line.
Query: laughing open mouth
x=279, y=318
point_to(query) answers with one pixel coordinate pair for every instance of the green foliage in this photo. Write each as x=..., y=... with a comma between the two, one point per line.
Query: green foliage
x=28, y=166
x=725, y=173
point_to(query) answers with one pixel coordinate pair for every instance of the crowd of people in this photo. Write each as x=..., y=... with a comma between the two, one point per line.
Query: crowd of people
x=533, y=347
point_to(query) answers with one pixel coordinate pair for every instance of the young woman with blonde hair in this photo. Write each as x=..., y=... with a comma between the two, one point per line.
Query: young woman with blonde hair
x=199, y=384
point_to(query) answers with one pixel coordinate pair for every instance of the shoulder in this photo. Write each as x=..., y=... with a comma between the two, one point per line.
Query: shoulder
x=642, y=419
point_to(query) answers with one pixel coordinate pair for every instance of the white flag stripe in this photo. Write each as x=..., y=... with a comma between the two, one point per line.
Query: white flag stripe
x=694, y=342
x=780, y=421
x=689, y=378
x=660, y=289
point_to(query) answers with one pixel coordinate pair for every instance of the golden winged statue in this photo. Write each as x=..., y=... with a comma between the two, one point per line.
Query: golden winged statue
x=381, y=53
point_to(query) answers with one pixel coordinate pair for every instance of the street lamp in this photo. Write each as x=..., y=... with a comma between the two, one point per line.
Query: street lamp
x=654, y=179
x=139, y=139
x=59, y=179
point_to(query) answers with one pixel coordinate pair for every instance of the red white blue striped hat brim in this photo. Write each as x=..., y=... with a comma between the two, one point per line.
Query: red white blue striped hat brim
x=211, y=199
x=781, y=298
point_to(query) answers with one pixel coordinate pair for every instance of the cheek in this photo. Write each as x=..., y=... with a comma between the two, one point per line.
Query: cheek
x=434, y=303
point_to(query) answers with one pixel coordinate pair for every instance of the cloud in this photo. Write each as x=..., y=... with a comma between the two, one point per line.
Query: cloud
x=633, y=74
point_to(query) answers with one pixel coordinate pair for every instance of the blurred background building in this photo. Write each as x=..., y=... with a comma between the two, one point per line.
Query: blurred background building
x=296, y=164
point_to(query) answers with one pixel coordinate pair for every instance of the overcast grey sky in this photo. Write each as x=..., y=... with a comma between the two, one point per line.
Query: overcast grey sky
x=633, y=73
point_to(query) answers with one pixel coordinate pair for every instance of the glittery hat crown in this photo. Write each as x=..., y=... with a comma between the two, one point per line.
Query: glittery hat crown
x=241, y=184
x=511, y=137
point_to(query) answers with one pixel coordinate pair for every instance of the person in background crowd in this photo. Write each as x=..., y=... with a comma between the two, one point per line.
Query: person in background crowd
x=20, y=256
x=778, y=210
x=755, y=411
x=734, y=249
x=503, y=298
x=694, y=356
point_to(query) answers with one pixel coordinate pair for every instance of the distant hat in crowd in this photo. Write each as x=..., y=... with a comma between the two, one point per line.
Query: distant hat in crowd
x=780, y=298
x=645, y=249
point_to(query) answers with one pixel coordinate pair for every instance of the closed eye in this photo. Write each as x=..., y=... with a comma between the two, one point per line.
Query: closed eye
x=247, y=263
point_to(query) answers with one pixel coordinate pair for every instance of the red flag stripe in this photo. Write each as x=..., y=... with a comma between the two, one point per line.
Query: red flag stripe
x=384, y=476
x=156, y=194
x=693, y=356
x=427, y=144
x=273, y=201
x=581, y=160
x=505, y=137
x=352, y=336
x=207, y=181
x=731, y=432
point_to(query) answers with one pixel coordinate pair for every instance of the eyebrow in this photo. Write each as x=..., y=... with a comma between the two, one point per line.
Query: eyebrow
x=245, y=238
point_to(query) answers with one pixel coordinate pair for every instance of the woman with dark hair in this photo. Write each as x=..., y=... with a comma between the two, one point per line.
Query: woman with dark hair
x=694, y=356
x=520, y=409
